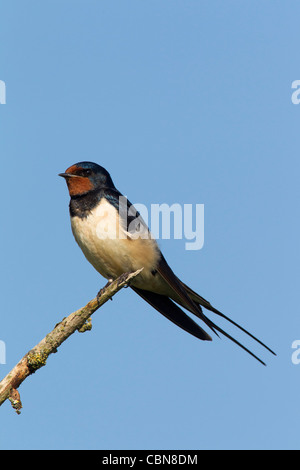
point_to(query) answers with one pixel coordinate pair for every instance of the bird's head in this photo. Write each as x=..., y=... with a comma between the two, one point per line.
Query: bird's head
x=84, y=177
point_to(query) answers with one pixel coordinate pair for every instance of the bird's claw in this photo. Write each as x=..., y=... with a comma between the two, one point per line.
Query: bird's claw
x=101, y=291
x=123, y=278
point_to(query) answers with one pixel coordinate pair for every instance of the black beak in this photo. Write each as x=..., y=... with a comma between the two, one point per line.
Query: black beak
x=67, y=175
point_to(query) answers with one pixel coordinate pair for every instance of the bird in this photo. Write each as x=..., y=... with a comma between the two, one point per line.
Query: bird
x=115, y=240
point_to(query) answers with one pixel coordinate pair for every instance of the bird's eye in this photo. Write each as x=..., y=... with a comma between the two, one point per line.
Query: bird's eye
x=86, y=172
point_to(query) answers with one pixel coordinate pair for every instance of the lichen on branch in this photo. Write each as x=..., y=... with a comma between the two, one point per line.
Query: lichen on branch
x=37, y=356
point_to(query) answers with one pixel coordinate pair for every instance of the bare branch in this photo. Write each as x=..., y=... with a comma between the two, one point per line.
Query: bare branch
x=37, y=357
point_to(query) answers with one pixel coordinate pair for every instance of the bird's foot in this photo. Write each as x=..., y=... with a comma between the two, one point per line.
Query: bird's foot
x=101, y=291
x=123, y=278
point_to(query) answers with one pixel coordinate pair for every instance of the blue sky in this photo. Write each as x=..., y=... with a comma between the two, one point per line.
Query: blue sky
x=183, y=102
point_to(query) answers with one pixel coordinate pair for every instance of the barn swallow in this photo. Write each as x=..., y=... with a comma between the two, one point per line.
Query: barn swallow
x=102, y=227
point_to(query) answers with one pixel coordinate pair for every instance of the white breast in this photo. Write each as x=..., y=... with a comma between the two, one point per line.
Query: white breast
x=109, y=248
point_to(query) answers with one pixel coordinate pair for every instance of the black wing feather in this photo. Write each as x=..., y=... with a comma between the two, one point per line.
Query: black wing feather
x=194, y=306
x=171, y=311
